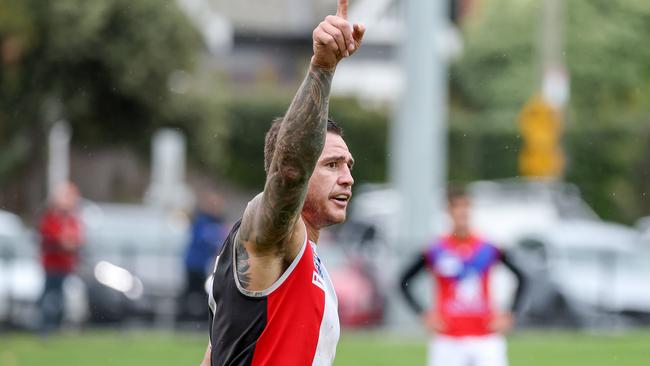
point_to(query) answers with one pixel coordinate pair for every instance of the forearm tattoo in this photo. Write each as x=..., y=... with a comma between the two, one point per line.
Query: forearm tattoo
x=300, y=141
x=269, y=220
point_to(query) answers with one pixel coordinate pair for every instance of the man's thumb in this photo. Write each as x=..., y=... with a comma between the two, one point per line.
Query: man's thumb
x=358, y=31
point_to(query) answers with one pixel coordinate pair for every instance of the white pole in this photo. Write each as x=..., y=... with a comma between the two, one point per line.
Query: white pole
x=555, y=77
x=167, y=188
x=58, y=165
x=418, y=146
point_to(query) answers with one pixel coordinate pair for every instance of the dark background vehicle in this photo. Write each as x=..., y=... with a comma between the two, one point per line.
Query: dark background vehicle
x=133, y=261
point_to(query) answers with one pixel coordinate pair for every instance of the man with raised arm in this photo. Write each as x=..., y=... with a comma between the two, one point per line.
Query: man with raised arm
x=271, y=299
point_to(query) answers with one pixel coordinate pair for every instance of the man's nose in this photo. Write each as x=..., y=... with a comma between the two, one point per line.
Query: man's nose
x=346, y=179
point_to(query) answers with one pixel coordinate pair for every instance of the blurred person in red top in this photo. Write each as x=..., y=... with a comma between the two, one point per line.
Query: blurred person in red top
x=466, y=328
x=61, y=238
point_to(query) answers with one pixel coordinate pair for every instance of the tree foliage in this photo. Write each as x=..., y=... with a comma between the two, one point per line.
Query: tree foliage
x=108, y=67
x=607, y=119
x=103, y=65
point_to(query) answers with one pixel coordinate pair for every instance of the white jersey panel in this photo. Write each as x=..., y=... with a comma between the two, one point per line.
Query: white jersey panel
x=330, y=328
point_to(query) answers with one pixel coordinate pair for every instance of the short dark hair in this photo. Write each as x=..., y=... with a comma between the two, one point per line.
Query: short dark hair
x=455, y=192
x=272, y=137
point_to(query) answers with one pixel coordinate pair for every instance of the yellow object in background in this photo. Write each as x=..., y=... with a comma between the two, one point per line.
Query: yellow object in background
x=541, y=155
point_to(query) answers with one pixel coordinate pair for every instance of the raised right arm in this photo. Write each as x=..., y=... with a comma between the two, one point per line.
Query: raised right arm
x=272, y=216
x=270, y=219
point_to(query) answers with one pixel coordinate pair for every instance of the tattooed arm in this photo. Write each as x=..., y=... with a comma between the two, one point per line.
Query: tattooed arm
x=299, y=144
x=269, y=226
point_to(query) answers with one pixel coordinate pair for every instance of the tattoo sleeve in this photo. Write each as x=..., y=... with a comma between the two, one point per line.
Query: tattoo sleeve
x=299, y=144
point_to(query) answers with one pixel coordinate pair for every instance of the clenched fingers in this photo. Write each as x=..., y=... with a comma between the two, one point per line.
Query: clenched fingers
x=321, y=37
x=345, y=28
x=338, y=37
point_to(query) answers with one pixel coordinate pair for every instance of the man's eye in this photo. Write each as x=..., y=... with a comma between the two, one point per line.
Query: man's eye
x=331, y=165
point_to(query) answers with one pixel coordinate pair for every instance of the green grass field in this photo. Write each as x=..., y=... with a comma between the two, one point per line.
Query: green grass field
x=377, y=349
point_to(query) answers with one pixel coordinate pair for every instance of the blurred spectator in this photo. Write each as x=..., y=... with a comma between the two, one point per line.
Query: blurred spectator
x=468, y=331
x=207, y=235
x=61, y=238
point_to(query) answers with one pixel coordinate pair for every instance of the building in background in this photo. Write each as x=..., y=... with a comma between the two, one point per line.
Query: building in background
x=270, y=42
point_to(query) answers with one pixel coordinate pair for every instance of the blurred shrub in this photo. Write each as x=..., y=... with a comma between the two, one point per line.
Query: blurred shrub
x=246, y=120
x=609, y=163
x=107, y=65
x=607, y=120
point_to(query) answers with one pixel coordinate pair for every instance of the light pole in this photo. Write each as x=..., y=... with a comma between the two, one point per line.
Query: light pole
x=419, y=132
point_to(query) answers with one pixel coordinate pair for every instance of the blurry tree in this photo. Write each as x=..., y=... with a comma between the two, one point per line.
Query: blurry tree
x=16, y=38
x=609, y=112
x=115, y=69
x=610, y=100
x=606, y=121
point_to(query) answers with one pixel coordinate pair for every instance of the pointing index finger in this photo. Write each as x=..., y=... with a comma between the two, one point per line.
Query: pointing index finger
x=342, y=9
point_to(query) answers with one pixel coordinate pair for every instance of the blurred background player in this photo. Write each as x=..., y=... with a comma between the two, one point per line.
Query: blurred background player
x=208, y=231
x=61, y=237
x=466, y=329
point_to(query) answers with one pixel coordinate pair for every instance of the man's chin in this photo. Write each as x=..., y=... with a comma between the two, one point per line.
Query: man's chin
x=335, y=218
x=339, y=220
